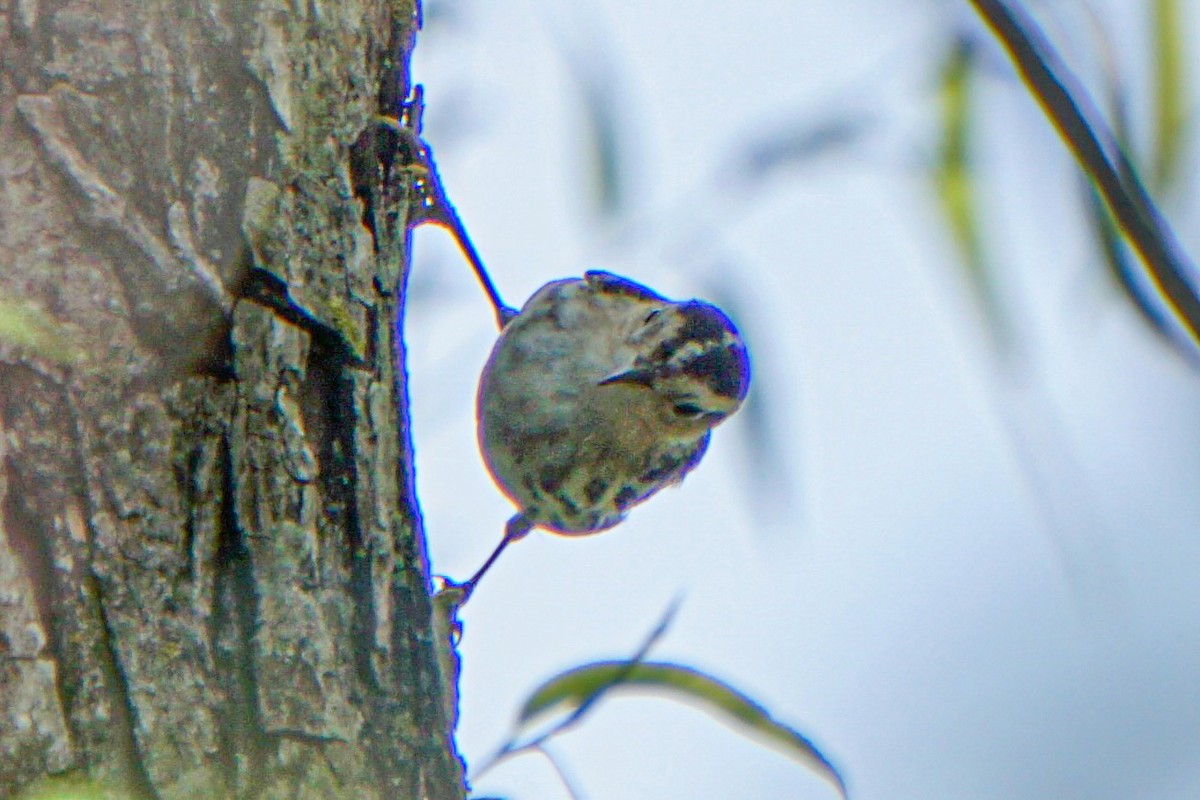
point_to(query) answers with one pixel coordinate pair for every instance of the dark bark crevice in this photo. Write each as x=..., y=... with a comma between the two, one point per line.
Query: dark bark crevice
x=136, y=780
x=243, y=743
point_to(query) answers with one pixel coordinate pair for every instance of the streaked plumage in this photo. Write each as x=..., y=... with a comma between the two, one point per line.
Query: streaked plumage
x=599, y=393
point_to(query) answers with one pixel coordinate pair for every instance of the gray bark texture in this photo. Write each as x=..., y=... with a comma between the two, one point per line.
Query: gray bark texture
x=212, y=572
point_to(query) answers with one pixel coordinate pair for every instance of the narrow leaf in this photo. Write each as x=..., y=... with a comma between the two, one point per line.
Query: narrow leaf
x=583, y=685
x=595, y=83
x=1169, y=93
x=955, y=181
x=580, y=709
x=766, y=153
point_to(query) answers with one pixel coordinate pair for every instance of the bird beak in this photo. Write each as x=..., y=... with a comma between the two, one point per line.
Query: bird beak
x=639, y=377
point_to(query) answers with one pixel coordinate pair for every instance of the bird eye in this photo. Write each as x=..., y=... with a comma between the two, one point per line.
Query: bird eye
x=687, y=410
x=652, y=315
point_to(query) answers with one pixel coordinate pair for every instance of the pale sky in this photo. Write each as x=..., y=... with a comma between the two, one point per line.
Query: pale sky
x=984, y=582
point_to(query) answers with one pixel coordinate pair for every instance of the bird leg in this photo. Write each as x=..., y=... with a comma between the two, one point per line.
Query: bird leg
x=517, y=528
x=435, y=207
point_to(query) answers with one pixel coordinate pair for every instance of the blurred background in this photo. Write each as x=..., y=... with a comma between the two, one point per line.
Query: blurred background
x=953, y=536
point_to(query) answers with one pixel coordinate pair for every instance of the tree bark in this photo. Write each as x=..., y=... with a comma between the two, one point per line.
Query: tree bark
x=212, y=571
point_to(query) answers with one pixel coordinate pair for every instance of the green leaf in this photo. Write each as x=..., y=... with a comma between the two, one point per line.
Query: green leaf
x=955, y=181
x=71, y=788
x=1169, y=93
x=27, y=326
x=583, y=685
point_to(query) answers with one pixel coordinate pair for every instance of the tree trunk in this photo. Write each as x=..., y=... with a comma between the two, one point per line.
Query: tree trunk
x=212, y=571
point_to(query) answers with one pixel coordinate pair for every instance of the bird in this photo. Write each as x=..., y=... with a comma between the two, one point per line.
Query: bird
x=598, y=392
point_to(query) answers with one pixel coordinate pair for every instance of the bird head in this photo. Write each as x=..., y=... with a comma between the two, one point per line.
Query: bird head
x=692, y=358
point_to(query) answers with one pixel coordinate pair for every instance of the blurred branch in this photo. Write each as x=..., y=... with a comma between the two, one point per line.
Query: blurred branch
x=1121, y=267
x=1114, y=175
